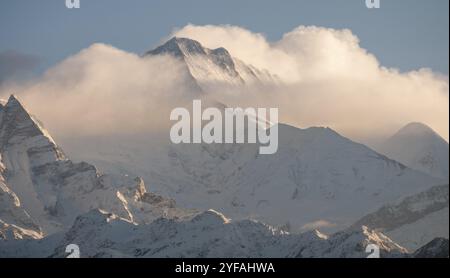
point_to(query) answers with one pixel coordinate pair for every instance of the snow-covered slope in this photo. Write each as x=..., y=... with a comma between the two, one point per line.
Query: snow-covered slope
x=317, y=178
x=419, y=147
x=211, y=67
x=11, y=211
x=307, y=184
x=414, y=220
x=437, y=248
x=52, y=189
x=207, y=234
x=15, y=222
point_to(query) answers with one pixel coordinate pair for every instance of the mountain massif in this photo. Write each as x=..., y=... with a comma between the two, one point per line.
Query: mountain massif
x=220, y=200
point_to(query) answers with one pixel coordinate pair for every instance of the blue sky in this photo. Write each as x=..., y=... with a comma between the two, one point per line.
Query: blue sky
x=406, y=34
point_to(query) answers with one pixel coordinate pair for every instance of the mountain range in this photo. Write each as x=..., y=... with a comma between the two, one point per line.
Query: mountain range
x=217, y=200
x=115, y=216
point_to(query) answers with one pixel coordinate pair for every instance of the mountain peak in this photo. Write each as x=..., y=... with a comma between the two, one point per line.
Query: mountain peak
x=418, y=146
x=17, y=121
x=208, y=67
x=12, y=97
x=179, y=47
x=18, y=126
x=416, y=128
x=13, y=101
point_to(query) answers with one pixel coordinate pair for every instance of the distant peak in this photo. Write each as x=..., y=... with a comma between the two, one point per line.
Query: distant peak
x=182, y=40
x=416, y=128
x=417, y=125
x=14, y=104
x=178, y=46
x=12, y=100
x=18, y=124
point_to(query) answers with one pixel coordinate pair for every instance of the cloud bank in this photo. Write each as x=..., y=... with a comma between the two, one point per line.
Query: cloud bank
x=103, y=90
x=331, y=80
x=327, y=80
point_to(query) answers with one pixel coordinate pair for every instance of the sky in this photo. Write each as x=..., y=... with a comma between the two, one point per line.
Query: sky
x=404, y=34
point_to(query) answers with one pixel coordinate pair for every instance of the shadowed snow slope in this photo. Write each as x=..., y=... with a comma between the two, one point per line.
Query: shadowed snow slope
x=414, y=220
x=419, y=147
x=42, y=187
x=437, y=248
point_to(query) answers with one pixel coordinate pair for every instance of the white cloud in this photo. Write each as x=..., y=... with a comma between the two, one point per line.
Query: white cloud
x=329, y=80
x=332, y=81
x=103, y=90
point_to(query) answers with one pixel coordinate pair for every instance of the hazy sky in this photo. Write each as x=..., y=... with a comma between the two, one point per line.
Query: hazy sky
x=406, y=34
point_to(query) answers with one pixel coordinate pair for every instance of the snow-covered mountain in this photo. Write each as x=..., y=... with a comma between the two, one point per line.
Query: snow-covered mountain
x=414, y=220
x=211, y=67
x=207, y=234
x=317, y=178
x=48, y=202
x=419, y=147
x=42, y=190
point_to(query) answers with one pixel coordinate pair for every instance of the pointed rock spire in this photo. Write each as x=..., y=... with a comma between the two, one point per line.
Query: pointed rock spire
x=17, y=126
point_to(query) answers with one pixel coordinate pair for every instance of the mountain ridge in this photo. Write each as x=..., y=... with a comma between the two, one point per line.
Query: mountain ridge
x=52, y=189
x=212, y=67
x=314, y=169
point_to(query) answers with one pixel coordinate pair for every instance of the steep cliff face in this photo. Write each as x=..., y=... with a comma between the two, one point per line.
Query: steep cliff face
x=44, y=190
